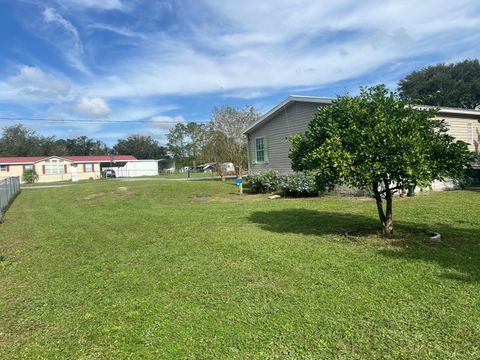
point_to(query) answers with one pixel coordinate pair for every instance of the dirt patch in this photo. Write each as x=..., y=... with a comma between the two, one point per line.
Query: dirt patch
x=123, y=191
x=93, y=196
x=220, y=198
x=119, y=191
x=401, y=238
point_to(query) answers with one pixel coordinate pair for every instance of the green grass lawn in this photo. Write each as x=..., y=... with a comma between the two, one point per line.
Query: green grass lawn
x=176, y=270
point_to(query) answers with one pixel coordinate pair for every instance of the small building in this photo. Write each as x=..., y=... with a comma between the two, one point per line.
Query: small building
x=134, y=168
x=59, y=168
x=227, y=168
x=268, y=144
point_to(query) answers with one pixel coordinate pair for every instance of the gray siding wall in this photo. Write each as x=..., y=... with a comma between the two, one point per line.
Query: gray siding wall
x=293, y=120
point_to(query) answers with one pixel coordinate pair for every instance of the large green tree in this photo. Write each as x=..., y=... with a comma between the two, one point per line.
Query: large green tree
x=378, y=142
x=140, y=146
x=186, y=141
x=454, y=85
x=52, y=146
x=17, y=140
x=84, y=146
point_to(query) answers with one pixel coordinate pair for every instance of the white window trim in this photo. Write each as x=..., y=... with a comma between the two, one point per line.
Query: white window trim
x=264, y=143
x=54, y=166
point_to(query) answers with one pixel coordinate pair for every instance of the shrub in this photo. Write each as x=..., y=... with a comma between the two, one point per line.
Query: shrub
x=299, y=184
x=30, y=176
x=469, y=178
x=263, y=182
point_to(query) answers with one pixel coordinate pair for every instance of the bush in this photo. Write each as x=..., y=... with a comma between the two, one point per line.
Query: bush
x=30, y=176
x=471, y=177
x=299, y=184
x=263, y=182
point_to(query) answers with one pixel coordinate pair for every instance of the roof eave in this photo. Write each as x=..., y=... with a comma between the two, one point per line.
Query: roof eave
x=50, y=157
x=450, y=110
x=17, y=163
x=284, y=103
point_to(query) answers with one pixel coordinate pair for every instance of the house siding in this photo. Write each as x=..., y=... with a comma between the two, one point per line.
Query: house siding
x=85, y=175
x=292, y=120
x=13, y=170
x=465, y=128
x=40, y=165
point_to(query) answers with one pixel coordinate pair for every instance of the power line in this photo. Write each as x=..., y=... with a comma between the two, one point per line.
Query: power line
x=96, y=121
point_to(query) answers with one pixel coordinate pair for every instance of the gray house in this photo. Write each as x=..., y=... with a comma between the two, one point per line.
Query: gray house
x=267, y=137
x=268, y=146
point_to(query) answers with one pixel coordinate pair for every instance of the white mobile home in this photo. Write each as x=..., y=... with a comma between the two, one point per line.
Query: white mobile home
x=135, y=168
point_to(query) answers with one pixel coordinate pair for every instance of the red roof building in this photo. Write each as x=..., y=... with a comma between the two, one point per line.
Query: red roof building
x=61, y=168
x=77, y=159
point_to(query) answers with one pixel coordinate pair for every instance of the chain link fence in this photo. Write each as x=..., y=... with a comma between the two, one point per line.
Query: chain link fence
x=9, y=188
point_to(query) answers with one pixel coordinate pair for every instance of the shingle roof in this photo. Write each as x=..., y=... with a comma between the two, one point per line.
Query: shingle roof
x=20, y=160
x=100, y=158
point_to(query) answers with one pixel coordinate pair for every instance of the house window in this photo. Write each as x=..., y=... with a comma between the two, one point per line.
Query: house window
x=88, y=168
x=54, y=166
x=4, y=168
x=261, y=150
x=28, y=167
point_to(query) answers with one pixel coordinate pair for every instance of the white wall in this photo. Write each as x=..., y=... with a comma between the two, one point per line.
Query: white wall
x=135, y=168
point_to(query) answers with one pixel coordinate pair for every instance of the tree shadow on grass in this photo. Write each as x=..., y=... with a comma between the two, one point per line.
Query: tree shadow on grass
x=458, y=253
x=310, y=222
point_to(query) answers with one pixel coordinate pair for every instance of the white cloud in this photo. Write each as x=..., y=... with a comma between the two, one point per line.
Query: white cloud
x=316, y=44
x=33, y=82
x=73, y=47
x=119, y=30
x=245, y=94
x=92, y=107
x=138, y=109
x=52, y=16
x=95, y=4
x=165, y=122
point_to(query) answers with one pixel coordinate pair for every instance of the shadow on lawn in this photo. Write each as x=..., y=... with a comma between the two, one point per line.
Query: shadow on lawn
x=458, y=253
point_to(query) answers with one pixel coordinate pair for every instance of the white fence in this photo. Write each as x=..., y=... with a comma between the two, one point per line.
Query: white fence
x=9, y=188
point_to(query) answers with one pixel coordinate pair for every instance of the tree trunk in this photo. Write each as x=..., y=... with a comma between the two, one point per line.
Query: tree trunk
x=378, y=200
x=388, y=223
x=385, y=216
x=218, y=169
x=238, y=171
x=411, y=191
x=220, y=172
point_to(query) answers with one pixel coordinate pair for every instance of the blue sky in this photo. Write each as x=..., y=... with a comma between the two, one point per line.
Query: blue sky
x=164, y=62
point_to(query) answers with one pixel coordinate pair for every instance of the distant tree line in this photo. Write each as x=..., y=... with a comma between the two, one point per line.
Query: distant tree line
x=17, y=140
